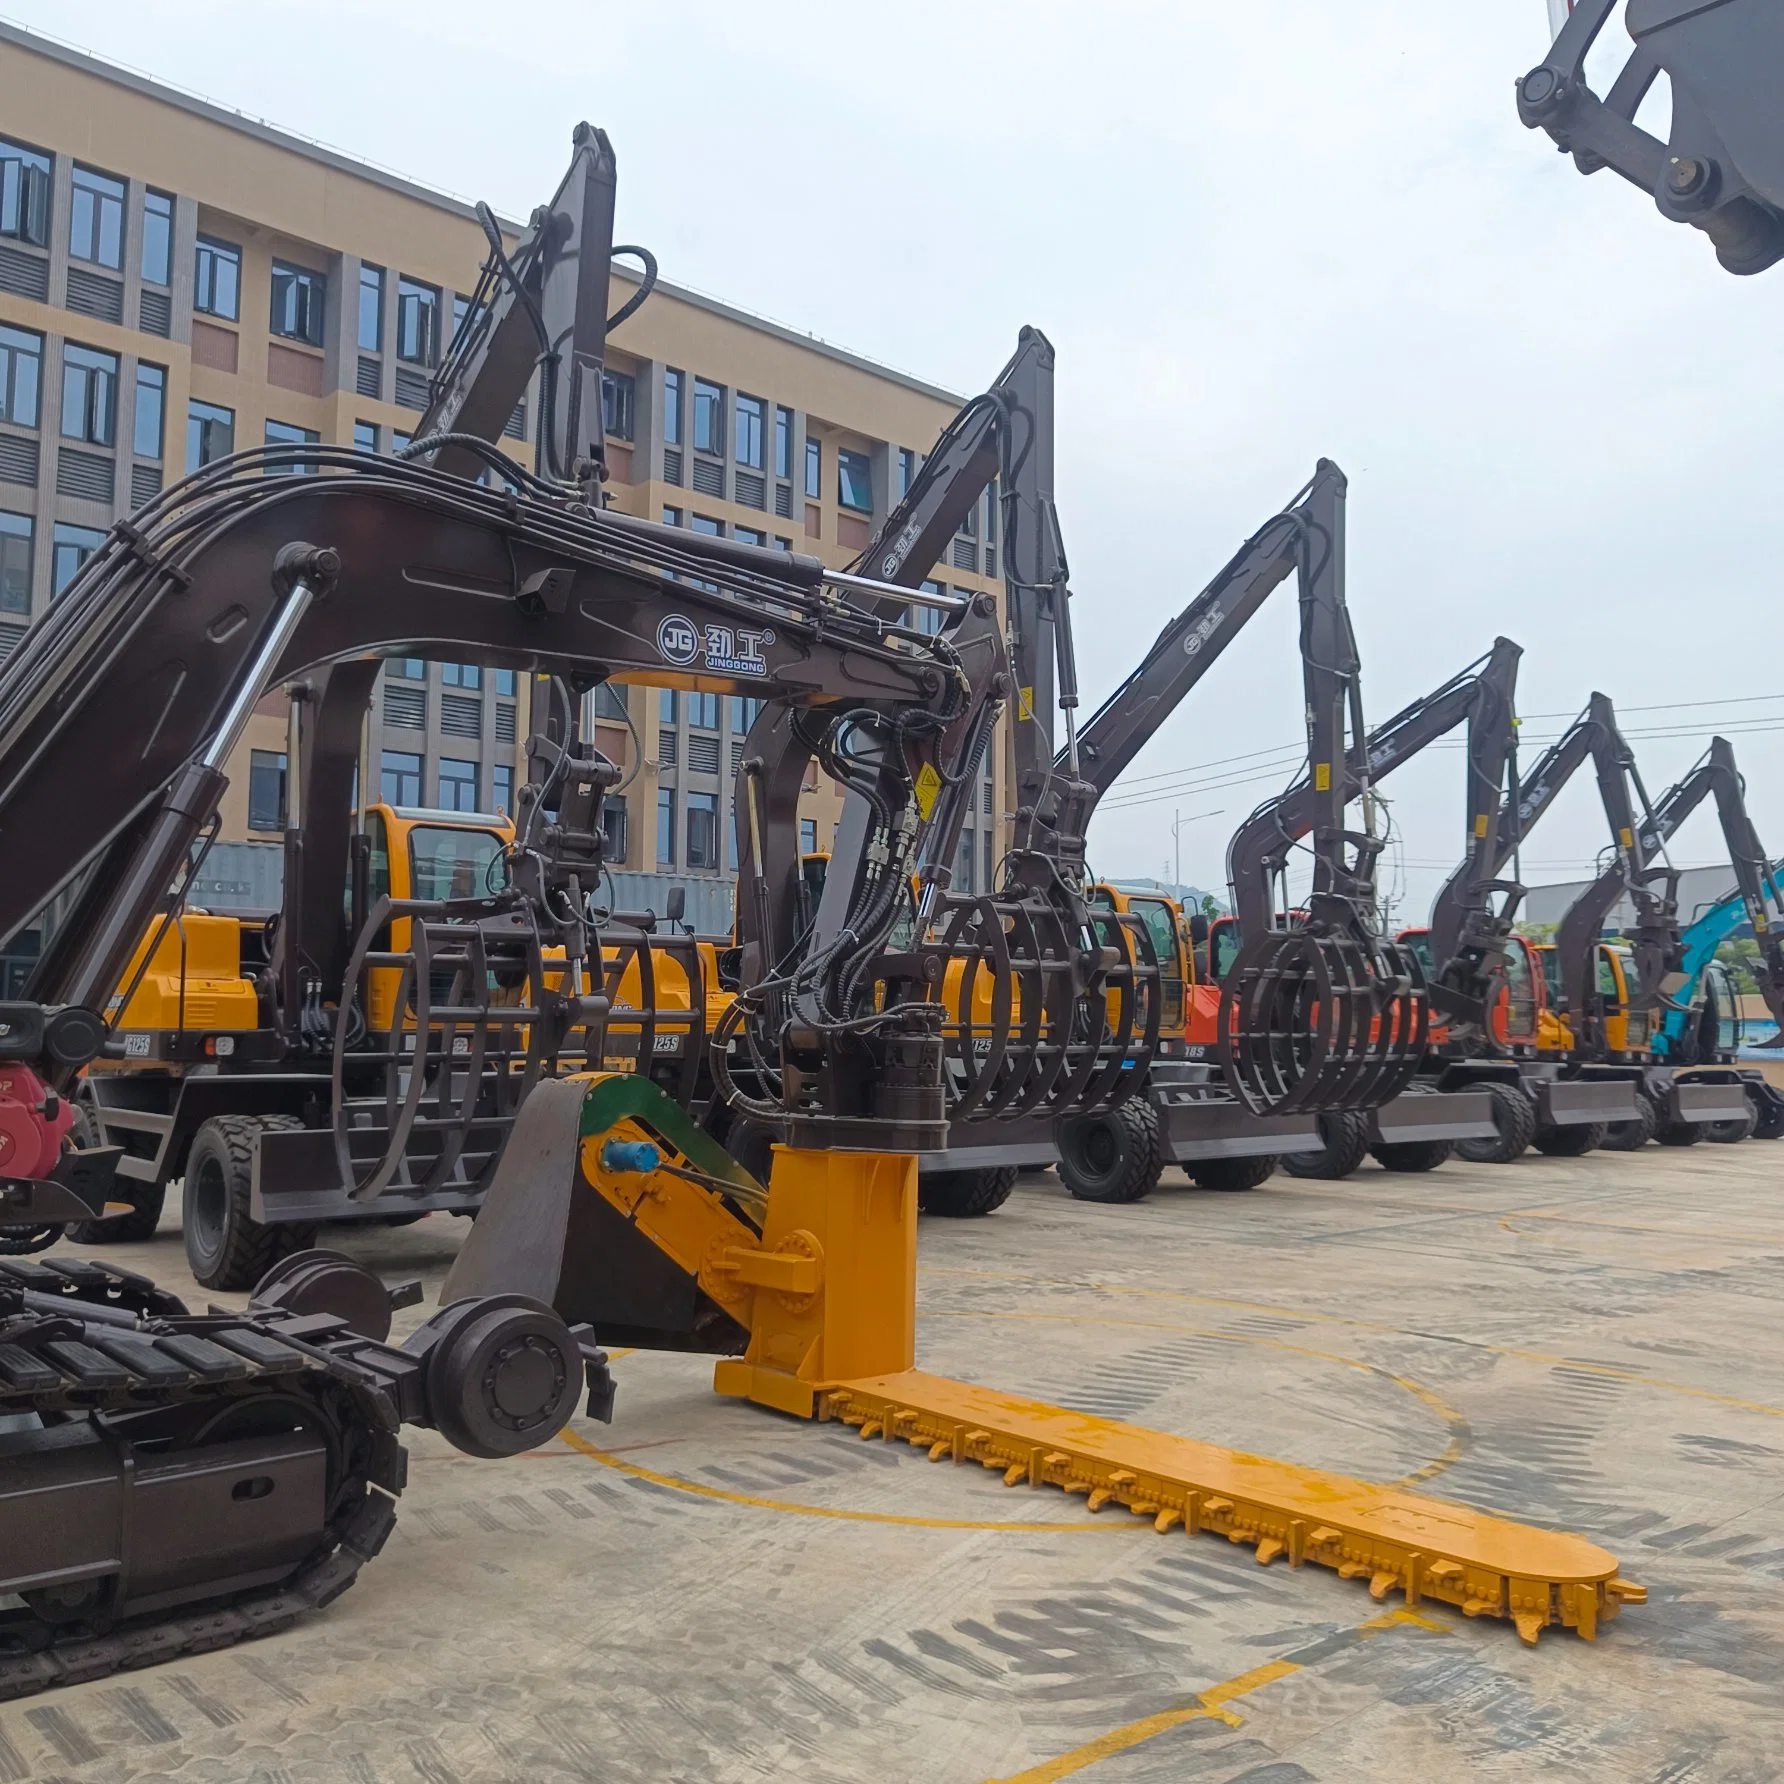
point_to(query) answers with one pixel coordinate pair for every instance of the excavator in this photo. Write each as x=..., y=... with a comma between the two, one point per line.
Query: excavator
x=1721, y=169
x=177, y=1481
x=1613, y=998
x=1481, y=696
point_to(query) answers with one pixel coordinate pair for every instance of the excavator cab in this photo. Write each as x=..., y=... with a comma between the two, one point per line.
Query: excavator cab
x=1165, y=925
x=1224, y=943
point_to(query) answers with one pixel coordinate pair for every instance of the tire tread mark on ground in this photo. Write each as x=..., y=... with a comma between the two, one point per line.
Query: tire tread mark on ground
x=63, y=1733
x=134, y=1706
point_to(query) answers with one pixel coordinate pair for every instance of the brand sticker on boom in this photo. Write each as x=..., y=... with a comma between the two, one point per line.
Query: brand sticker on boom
x=726, y=650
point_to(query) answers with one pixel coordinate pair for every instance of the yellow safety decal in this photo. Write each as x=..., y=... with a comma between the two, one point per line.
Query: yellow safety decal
x=1627, y=838
x=1759, y=923
x=1025, y=703
x=929, y=784
x=1480, y=824
x=1322, y=777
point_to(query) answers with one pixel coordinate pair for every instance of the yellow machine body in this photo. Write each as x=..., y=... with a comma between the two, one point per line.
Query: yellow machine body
x=816, y=1275
x=192, y=979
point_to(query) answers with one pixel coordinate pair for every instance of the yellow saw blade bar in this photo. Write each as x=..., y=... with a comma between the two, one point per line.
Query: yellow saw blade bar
x=1424, y=1548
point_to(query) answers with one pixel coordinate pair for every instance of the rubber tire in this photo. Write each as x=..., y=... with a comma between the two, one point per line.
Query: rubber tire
x=1232, y=1174
x=146, y=1200
x=965, y=1195
x=1731, y=1133
x=1570, y=1142
x=1681, y=1133
x=1346, y=1136
x=1632, y=1136
x=1111, y=1157
x=1412, y=1155
x=1514, y=1114
x=243, y=1249
x=1768, y=1121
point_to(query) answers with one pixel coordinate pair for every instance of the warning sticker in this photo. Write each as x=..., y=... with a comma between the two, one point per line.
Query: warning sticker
x=1322, y=777
x=1025, y=703
x=929, y=784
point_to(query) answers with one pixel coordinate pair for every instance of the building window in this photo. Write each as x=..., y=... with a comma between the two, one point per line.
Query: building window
x=703, y=830
x=963, y=867
x=21, y=365
x=665, y=826
x=89, y=395
x=907, y=471
x=464, y=317
x=666, y=702
x=399, y=778
x=417, y=322
x=713, y=529
x=219, y=280
x=928, y=620
x=503, y=680
x=300, y=303
x=407, y=668
x=365, y=436
x=990, y=519
x=781, y=544
x=808, y=836
x=399, y=440
x=610, y=702
x=24, y=194
x=266, y=790
x=744, y=711
x=672, y=399
x=671, y=517
x=613, y=827
x=814, y=469
x=461, y=675
x=371, y=308
x=783, y=442
x=458, y=784
x=72, y=546
x=749, y=536
x=619, y=395
x=148, y=427
x=709, y=417
x=283, y=433
x=853, y=484
x=96, y=219
x=501, y=788
x=157, y=238
x=703, y=711
x=748, y=416
x=16, y=533
x=210, y=434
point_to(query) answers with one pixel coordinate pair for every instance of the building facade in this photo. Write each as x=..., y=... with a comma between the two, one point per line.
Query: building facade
x=178, y=282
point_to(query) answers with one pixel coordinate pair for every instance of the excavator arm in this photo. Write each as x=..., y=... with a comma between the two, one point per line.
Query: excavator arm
x=1661, y=973
x=1482, y=696
x=1722, y=168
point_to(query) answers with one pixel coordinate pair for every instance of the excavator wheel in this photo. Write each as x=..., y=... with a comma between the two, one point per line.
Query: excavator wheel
x=1768, y=1119
x=1731, y=1133
x=1514, y=1114
x=1632, y=1136
x=965, y=1195
x=1571, y=1142
x=225, y=1245
x=1681, y=1133
x=1346, y=1137
x=751, y=1143
x=145, y=1199
x=1232, y=1173
x=1111, y=1157
x=1412, y=1155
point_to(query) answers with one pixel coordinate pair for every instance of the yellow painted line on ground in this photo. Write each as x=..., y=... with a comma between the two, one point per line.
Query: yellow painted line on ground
x=1452, y=1420
x=1317, y=1317
x=841, y=1513
x=1207, y=1705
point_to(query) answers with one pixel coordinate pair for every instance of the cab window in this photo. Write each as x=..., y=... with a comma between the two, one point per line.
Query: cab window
x=1226, y=942
x=1608, y=988
x=451, y=863
x=1419, y=947
x=1551, y=975
x=1156, y=915
x=1517, y=970
x=378, y=876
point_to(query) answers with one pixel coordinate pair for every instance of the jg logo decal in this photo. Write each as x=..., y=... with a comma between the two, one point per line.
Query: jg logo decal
x=728, y=650
x=678, y=640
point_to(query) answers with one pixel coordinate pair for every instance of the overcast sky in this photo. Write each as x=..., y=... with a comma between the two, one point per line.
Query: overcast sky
x=1256, y=234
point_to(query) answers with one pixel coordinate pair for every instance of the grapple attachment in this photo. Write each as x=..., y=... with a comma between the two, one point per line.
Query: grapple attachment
x=1313, y=1020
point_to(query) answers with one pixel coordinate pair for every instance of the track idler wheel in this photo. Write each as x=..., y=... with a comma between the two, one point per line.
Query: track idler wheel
x=1314, y=1022
x=503, y=1374
x=330, y=1282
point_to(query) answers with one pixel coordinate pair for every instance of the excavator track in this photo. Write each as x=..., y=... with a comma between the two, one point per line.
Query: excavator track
x=1427, y=1549
x=84, y=1345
